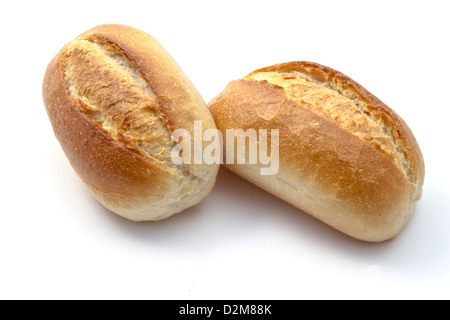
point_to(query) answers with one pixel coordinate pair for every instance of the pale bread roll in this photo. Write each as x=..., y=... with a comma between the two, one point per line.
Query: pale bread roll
x=345, y=157
x=114, y=96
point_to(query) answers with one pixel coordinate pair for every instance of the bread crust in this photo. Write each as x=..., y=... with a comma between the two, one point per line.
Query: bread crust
x=123, y=176
x=325, y=170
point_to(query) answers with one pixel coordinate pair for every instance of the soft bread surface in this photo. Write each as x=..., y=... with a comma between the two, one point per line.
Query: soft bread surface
x=345, y=157
x=114, y=96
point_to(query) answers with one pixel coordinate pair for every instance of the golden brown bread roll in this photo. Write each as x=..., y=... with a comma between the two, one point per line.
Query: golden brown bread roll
x=344, y=156
x=114, y=96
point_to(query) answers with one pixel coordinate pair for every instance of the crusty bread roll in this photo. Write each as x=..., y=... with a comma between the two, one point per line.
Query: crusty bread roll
x=114, y=96
x=344, y=157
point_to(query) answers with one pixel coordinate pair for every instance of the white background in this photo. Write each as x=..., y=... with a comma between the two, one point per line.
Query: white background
x=58, y=242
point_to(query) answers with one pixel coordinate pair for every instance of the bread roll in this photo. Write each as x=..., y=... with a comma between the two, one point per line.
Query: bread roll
x=344, y=156
x=114, y=96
